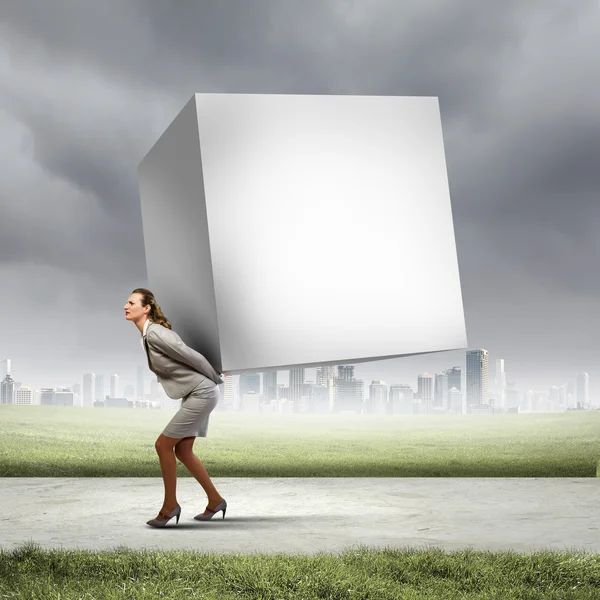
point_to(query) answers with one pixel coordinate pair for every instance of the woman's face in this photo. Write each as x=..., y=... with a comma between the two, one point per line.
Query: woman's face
x=134, y=309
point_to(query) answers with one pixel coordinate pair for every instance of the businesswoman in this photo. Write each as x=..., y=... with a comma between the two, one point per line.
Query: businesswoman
x=185, y=374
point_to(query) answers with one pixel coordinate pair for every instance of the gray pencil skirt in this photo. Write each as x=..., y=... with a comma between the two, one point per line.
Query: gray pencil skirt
x=191, y=420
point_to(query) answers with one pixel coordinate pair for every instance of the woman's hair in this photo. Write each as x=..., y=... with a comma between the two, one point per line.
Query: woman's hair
x=155, y=315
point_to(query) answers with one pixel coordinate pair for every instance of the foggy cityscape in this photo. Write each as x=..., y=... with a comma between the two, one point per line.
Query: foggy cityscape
x=476, y=390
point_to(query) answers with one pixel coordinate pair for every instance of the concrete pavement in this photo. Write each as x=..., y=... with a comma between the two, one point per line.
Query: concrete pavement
x=306, y=515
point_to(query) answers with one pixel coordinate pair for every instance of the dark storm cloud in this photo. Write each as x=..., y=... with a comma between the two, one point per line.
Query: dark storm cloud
x=456, y=50
x=152, y=44
x=506, y=153
x=76, y=154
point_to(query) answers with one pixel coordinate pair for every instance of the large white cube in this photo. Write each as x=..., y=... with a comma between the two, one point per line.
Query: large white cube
x=290, y=231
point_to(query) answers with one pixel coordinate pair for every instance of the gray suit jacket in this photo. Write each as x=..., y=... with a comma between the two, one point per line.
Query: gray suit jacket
x=178, y=368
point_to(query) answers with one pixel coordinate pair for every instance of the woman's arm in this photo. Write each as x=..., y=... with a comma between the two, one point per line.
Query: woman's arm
x=169, y=343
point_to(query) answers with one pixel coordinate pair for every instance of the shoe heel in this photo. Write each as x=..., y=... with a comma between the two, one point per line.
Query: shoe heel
x=224, y=512
x=177, y=519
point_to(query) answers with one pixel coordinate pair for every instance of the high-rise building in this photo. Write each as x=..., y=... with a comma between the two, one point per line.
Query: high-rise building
x=320, y=399
x=500, y=382
x=425, y=392
x=455, y=400
x=100, y=388
x=115, y=386
x=270, y=385
x=378, y=398
x=89, y=382
x=512, y=397
x=477, y=377
x=440, y=397
x=47, y=396
x=345, y=372
x=527, y=400
x=24, y=395
x=63, y=397
x=454, y=378
x=296, y=388
x=325, y=376
x=251, y=401
x=5, y=368
x=304, y=404
x=562, y=396
x=227, y=403
x=348, y=392
x=7, y=390
x=401, y=399
x=249, y=384
x=582, y=390
x=283, y=392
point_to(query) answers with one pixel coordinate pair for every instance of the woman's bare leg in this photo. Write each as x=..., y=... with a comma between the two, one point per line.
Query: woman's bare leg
x=194, y=465
x=168, y=466
x=184, y=452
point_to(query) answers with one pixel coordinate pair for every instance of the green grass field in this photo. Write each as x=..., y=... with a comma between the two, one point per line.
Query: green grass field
x=40, y=441
x=387, y=574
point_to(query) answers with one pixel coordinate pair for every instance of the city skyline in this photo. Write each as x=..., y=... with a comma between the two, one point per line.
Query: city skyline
x=83, y=99
x=499, y=392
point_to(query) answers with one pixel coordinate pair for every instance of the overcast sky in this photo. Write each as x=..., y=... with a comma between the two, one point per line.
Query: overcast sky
x=87, y=87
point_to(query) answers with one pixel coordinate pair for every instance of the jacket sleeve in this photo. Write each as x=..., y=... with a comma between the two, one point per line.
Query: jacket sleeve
x=169, y=343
